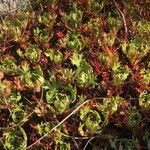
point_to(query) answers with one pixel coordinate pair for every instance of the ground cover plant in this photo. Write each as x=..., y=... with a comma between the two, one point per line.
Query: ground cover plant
x=76, y=75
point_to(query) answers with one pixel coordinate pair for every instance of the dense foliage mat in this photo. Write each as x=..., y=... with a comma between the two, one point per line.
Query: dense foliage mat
x=76, y=75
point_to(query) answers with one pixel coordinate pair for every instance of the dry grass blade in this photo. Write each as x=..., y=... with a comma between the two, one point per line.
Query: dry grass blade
x=123, y=17
x=61, y=122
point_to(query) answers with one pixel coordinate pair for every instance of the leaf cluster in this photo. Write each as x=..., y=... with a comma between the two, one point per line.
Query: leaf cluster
x=80, y=67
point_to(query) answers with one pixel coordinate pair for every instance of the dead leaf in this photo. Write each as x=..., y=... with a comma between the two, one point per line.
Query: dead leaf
x=8, y=88
x=37, y=87
x=1, y=75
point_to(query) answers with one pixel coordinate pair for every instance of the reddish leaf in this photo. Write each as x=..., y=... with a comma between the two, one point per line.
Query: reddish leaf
x=59, y=35
x=97, y=66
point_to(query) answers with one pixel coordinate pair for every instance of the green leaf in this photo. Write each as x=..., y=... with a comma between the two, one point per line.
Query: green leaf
x=120, y=73
x=144, y=101
x=146, y=138
x=83, y=113
x=2, y=87
x=68, y=74
x=33, y=53
x=61, y=142
x=49, y=53
x=47, y=19
x=77, y=59
x=14, y=98
x=73, y=92
x=61, y=103
x=90, y=119
x=110, y=105
x=75, y=41
x=50, y=95
x=55, y=56
x=85, y=79
x=133, y=118
x=16, y=139
x=20, y=53
x=43, y=127
x=41, y=35
x=145, y=76
x=95, y=6
x=81, y=131
x=18, y=115
x=74, y=17
x=124, y=144
x=9, y=66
